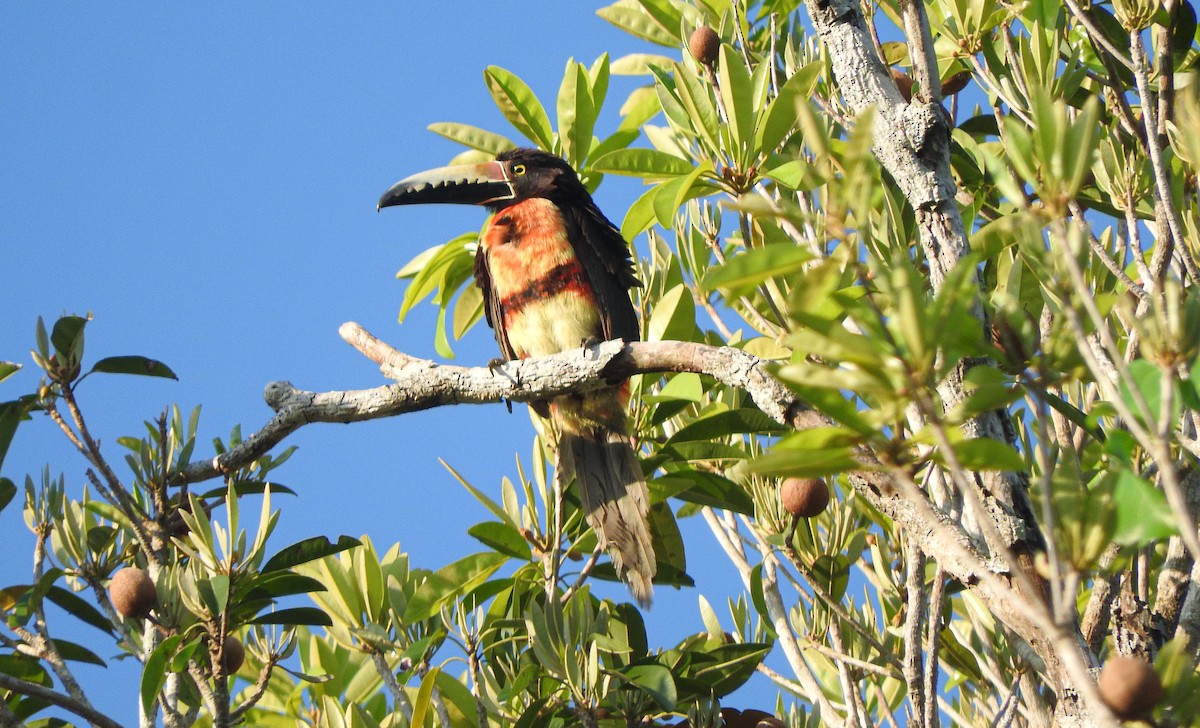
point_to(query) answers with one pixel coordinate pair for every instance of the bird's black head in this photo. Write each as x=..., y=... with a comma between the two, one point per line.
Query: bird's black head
x=517, y=174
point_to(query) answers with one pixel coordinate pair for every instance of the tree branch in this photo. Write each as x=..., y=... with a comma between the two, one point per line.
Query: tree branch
x=33, y=690
x=422, y=384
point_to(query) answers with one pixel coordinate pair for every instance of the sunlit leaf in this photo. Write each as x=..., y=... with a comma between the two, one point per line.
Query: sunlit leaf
x=154, y=672
x=520, y=106
x=744, y=271
x=502, y=537
x=674, y=317
x=642, y=163
x=451, y=581
x=473, y=137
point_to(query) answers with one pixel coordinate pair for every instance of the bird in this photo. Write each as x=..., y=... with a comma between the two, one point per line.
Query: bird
x=555, y=274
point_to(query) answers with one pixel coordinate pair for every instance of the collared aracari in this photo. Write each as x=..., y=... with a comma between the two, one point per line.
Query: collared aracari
x=555, y=275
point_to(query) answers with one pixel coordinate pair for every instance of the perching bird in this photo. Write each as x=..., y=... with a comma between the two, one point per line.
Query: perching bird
x=555, y=275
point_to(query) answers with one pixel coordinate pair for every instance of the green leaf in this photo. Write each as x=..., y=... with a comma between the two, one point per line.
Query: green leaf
x=487, y=502
x=728, y=667
x=706, y=489
x=654, y=680
x=697, y=99
x=8, y=489
x=648, y=163
x=67, y=336
x=685, y=386
x=450, y=582
x=668, y=542
x=79, y=608
x=832, y=572
x=638, y=64
x=984, y=453
x=468, y=311
x=139, y=365
x=759, y=598
x=215, y=593
x=743, y=272
x=520, y=106
x=154, y=672
x=11, y=415
x=179, y=663
x=797, y=174
x=674, y=316
x=310, y=549
x=307, y=616
x=424, y=697
x=727, y=422
x=502, y=537
x=576, y=114
x=640, y=215
x=738, y=97
x=629, y=17
x=780, y=116
x=473, y=137
x=1147, y=378
x=1143, y=514
x=248, y=487
x=78, y=653
x=819, y=451
x=280, y=583
x=7, y=369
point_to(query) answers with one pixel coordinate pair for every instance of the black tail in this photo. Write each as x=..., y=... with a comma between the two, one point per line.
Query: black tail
x=594, y=450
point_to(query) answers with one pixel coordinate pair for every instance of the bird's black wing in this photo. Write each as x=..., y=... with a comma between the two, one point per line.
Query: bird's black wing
x=604, y=255
x=492, y=310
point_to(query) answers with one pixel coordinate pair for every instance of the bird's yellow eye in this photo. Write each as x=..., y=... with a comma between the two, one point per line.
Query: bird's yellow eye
x=518, y=169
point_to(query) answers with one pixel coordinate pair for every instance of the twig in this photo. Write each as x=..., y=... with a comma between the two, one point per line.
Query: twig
x=260, y=689
x=389, y=680
x=1158, y=164
x=914, y=564
x=839, y=656
x=583, y=574
x=932, y=643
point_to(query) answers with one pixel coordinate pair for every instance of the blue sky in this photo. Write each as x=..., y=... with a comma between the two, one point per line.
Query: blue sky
x=203, y=179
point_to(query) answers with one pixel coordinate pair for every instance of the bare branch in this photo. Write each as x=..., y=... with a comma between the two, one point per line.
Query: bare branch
x=422, y=384
x=33, y=690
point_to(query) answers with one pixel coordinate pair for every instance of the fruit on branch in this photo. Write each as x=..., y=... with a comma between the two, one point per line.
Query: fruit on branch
x=132, y=593
x=804, y=497
x=1130, y=687
x=705, y=45
x=232, y=654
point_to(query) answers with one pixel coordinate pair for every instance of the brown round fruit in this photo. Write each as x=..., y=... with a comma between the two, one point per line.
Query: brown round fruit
x=771, y=722
x=1130, y=687
x=232, y=654
x=804, y=497
x=904, y=83
x=705, y=45
x=132, y=593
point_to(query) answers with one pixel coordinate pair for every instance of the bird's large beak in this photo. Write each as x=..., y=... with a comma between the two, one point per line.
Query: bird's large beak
x=464, y=184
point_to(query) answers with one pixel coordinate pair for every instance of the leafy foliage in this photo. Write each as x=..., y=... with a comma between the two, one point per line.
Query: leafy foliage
x=1022, y=349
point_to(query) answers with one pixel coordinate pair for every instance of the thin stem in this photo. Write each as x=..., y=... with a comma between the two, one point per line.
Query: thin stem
x=914, y=616
x=389, y=680
x=1158, y=164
